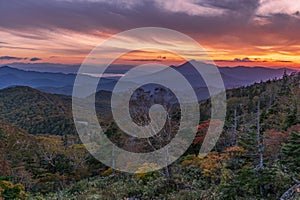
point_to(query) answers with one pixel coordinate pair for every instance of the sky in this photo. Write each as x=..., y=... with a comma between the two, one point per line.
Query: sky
x=233, y=32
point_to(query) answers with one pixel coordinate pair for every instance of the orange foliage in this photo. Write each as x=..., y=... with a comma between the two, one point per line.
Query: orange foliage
x=273, y=142
x=233, y=151
x=203, y=128
x=211, y=165
x=213, y=162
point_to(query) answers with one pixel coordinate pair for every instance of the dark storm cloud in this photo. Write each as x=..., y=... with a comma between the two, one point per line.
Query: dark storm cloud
x=235, y=5
x=90, y=17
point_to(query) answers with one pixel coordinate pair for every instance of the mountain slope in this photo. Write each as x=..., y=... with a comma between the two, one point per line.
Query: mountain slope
x=60, y=83
x=35, y=111
x=42, y=113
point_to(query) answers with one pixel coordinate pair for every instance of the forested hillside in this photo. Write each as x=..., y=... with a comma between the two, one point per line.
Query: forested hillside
x=256, y=157
x=35, y=111
x=41, y=163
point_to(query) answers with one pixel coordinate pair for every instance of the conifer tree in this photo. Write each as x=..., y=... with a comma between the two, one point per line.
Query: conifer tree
x=291, y=152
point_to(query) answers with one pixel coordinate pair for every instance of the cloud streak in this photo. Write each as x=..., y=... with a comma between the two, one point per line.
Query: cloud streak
x=214, y=19
x=14, y=58
x=11, y=58
x=269, y=7
x=35, y=59
x=233, y=27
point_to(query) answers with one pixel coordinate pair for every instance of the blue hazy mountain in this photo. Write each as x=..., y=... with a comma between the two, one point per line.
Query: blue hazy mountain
x=62, y=83
x=57, y=83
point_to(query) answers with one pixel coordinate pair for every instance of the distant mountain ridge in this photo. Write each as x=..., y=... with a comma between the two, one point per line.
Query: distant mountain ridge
x=62, y=83
x=42, y=113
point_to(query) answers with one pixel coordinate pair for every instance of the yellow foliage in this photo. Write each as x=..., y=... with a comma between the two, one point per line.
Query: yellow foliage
x=7, y=184
x=107, y=172
x=145, y=169
x=190, y=160
x=132, y=166
x=212, y=163
x=18, y=189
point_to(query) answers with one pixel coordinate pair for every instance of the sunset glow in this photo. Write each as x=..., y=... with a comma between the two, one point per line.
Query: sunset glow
x=260, y=35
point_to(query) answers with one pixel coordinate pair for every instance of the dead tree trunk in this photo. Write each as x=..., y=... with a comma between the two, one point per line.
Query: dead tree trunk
x=290, y=192
x=259, y=146
x=113, y=160
x=259, y=139
x=235, y=128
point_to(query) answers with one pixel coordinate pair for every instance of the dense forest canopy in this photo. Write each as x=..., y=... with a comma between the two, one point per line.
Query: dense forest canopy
x=256, y=157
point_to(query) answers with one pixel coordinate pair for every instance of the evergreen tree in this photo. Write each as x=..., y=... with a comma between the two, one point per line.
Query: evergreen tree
x=291, y=152
x=291, y=119
x=1, y=134
x=291, y=161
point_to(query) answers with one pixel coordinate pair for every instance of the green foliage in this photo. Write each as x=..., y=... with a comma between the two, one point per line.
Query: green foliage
x=291, y=152
x=291, y=119
x=42, y=163
x=36, y=112
x=59, y=167
x=8, y=190
x=1, y=134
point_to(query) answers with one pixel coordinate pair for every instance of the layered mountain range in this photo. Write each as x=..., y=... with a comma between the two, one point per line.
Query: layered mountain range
x=50, y=81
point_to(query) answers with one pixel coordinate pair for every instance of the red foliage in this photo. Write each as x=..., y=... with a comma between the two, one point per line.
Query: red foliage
x=273, y=142
x=200, y=135
x=203, y=128
x=5, y=169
